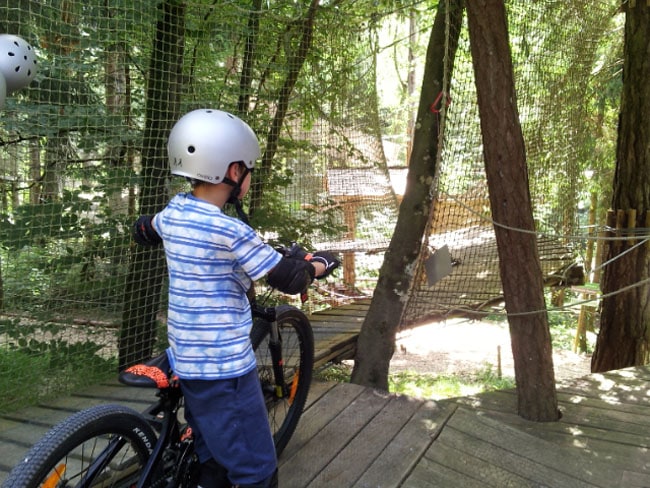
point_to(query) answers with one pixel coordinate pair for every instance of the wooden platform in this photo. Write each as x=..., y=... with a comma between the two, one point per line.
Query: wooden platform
x=352, y=436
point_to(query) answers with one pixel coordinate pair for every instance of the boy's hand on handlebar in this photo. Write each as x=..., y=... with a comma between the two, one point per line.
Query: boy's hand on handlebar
x=324, y=262
x=294, y=252
x=329, y=260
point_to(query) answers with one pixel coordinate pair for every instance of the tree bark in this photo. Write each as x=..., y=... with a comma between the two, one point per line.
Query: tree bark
x=147, y=267
x=376, y=343
x=507, y=176
x=623, y=339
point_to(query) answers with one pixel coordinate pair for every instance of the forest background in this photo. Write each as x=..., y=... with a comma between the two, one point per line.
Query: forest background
x=332, y=90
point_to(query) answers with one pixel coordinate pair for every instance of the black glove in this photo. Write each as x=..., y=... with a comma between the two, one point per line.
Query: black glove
x=144, y=233
x=327, y=258
x=294, y=252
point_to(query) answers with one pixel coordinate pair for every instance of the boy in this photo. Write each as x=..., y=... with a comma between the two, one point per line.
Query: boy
x=212, y=260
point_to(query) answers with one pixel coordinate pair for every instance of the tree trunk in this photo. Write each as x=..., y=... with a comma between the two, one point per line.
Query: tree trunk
x=624, y=335
x=295, y=63
x=376, y=342
x=507, y=176
x=246, y=80
x=147, y=270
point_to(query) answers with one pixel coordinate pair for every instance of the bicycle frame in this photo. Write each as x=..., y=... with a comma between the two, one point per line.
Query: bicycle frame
x=163, y=415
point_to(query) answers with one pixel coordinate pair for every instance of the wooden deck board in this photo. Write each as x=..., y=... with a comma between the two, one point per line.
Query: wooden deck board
x=511, y=451
x=313, y=457
x=359, y=454
x=401, y=456
x=429, y=474
x=350, y=436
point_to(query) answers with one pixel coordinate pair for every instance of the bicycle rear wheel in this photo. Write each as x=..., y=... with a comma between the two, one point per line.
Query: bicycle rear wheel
x=285, y=405
x=104, y=446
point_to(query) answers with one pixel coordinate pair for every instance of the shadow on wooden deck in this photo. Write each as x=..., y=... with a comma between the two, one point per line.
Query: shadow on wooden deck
x=352, y=436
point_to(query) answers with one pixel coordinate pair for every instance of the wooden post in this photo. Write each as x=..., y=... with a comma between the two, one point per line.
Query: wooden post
x=631, y=225
x=586, y=318
x=620, y=226
x=349, y=265
x=589, y=254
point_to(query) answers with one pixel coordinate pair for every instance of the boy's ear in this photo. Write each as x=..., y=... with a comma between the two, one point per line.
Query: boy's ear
x=232, y=172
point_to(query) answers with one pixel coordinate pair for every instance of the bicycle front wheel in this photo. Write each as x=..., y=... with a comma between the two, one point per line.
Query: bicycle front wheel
x=285, y=403
x=104, y=446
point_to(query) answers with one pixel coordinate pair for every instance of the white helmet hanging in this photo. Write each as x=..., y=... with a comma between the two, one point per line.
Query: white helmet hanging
x=17, y=62
x=204, y=142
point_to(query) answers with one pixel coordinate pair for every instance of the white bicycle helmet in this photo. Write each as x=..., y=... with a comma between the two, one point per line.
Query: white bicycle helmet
x=204, y=142
x=17, y=62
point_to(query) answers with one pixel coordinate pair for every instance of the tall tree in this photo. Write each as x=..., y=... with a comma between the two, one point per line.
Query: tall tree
x=624, y=336
x=507, y=176
x=376, y=342
x=146, y=273
x=295, y=55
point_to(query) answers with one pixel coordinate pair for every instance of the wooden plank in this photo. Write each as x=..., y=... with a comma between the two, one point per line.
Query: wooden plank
x=325, y=445
x=635, y=480
x=318, y=416
x=498, y=401
x=523, y=454
x=116, y=392
x=403, y=454
x=612, y=388
x=429, y=474
x=337, y=323
x=609, y=419
x=504, y=464
x=569, y=399
x=15, y=442
x=73, y=404
x=317, y=390
x=355, y=310
x=360, y=453
x=569, y=434
x=463, y=470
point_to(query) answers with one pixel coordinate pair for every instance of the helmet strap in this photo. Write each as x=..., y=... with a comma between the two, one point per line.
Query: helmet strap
x=234, y=193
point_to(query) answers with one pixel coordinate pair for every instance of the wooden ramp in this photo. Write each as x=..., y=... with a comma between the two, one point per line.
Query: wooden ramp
x=336, y=331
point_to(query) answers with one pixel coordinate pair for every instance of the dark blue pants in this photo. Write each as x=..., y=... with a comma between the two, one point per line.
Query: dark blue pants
x=230, y=425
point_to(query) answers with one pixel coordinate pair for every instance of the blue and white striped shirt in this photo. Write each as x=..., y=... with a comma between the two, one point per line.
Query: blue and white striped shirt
x=212, y=259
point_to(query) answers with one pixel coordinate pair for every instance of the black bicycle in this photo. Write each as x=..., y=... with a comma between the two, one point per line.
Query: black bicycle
x=112, y=445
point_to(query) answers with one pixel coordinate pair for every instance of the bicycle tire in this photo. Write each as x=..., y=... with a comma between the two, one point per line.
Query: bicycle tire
x=62, y=457
x=298, y=363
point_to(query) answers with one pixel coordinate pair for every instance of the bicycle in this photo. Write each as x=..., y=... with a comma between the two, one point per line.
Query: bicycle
x=111, y=446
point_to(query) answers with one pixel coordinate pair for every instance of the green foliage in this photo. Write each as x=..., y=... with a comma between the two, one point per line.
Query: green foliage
x=32, y=369
x=430, y=386
x=437, y=387
x=72, y=248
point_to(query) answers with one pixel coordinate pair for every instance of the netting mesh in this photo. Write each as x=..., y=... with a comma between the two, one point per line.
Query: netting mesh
x=555, y=50
x=330, y=90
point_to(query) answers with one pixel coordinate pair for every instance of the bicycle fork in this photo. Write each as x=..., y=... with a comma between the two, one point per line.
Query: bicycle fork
x=280, y=384
x=275, y=348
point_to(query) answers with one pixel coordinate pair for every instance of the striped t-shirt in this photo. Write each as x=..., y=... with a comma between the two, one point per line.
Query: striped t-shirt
x=212, y=259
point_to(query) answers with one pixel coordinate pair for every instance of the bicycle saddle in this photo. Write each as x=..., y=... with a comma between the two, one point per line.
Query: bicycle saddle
x=155, y=373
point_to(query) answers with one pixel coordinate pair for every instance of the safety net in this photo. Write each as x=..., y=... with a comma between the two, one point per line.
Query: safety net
x=331, y=90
